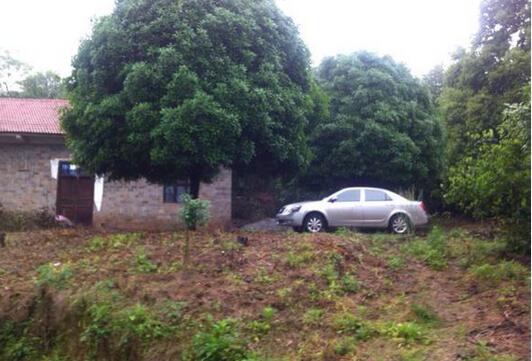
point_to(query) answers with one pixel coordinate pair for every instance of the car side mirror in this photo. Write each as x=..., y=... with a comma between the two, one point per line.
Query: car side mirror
x=333, y=199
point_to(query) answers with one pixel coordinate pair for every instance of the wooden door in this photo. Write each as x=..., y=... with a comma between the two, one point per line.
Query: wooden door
x=75, y=194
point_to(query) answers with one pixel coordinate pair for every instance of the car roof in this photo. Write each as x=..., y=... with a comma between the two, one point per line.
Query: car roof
x=369, y=188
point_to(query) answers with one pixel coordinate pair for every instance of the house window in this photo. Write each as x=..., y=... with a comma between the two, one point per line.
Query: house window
x=172, y=192
x=67, y=169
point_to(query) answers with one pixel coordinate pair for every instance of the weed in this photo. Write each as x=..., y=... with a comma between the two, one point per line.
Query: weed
x=345, y=346
x=313, y=316
x=350, y=284
x=230, y=245
x=348, y=323
x=477, y=251
x=172, y=311
x=482, y=352
x=143, y=264
x=19, y=349
x=396, y=262
x=263, y=326
x=344, y=231
x=219, y=343
x=431, y=251
x=265, y=278
x=172, y=267
x=54, y=274
x=457, y=233
x=96, y=243
x=98, y=330
x=298, y=258
x=406, y=333
x=115, y=241
x=425, y=315
x=503, y=271
x=138, y=322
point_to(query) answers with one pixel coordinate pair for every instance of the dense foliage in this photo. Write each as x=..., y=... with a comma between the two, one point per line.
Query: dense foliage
x=168, y=90
x=486, y=106
x=496, y=181
x=42, y=85
x=383, y=129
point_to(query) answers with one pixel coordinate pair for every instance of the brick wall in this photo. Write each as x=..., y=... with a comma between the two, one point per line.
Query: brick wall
x=26, y=184
x=25, y=179
x=140, y=204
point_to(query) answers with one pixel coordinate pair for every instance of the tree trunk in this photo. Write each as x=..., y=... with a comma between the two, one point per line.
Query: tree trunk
x=194, y=186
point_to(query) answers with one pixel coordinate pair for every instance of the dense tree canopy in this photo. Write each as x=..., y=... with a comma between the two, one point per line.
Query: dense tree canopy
x=494, y=73
x=383, y=129
x=171, y=89
x=42, y=85
x=486, y=107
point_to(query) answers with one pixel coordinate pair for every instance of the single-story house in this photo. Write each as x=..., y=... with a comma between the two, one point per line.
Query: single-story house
x=36, y=173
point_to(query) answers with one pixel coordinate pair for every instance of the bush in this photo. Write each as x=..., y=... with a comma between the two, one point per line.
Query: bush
x=24, y=221
x=194, y=212
x=495, y=180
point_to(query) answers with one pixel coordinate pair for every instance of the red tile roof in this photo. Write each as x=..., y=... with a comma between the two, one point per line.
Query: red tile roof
x=37, y=116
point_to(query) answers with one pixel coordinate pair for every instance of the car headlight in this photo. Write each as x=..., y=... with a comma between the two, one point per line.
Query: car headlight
x=295, y=209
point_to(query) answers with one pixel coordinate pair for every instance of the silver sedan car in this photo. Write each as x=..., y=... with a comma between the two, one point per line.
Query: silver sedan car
x=355, y=207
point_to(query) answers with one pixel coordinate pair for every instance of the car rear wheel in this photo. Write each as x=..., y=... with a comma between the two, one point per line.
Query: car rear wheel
x=315, y=223
x=400, y=224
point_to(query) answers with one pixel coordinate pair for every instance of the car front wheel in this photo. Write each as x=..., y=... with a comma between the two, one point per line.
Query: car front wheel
x=400, y=224
x=315, y=223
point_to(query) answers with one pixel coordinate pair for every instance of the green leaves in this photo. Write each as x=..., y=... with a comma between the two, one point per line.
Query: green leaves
x=496, y=180
x=184, y=88
x=383, y=128
x=195, y=212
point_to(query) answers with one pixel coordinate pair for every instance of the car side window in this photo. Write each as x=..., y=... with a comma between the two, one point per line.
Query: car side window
x=376, y=196
x=352, y=195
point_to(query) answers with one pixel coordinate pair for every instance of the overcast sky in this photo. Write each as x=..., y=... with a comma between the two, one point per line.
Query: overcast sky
x=420, y=33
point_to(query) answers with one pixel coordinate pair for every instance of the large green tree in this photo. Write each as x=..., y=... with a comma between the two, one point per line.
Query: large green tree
x=486, y=107
x=167, y=89
x=493, y=73
x=42, y=85
x=382, y=129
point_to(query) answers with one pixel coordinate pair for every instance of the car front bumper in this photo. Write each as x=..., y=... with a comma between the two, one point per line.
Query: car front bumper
x=290, y=220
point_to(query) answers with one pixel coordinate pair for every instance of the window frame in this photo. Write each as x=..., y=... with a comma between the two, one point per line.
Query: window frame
x=176, y=194
x=386, y=195
x=337, y=196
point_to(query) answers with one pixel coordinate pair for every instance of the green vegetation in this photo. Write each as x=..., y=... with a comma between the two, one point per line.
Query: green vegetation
x=344, y=300
x=485, y=103
x=369, y=136
x=143, y=264
x=425, y=315
x=506, y=270
x=114, y=241
x=431, y=251
x=184, y=98
x=55, y=275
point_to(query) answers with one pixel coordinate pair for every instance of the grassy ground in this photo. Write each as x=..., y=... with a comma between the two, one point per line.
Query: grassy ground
x=77, y=295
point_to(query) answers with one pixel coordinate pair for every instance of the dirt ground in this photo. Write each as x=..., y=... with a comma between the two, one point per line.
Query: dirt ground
x=238, y=274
